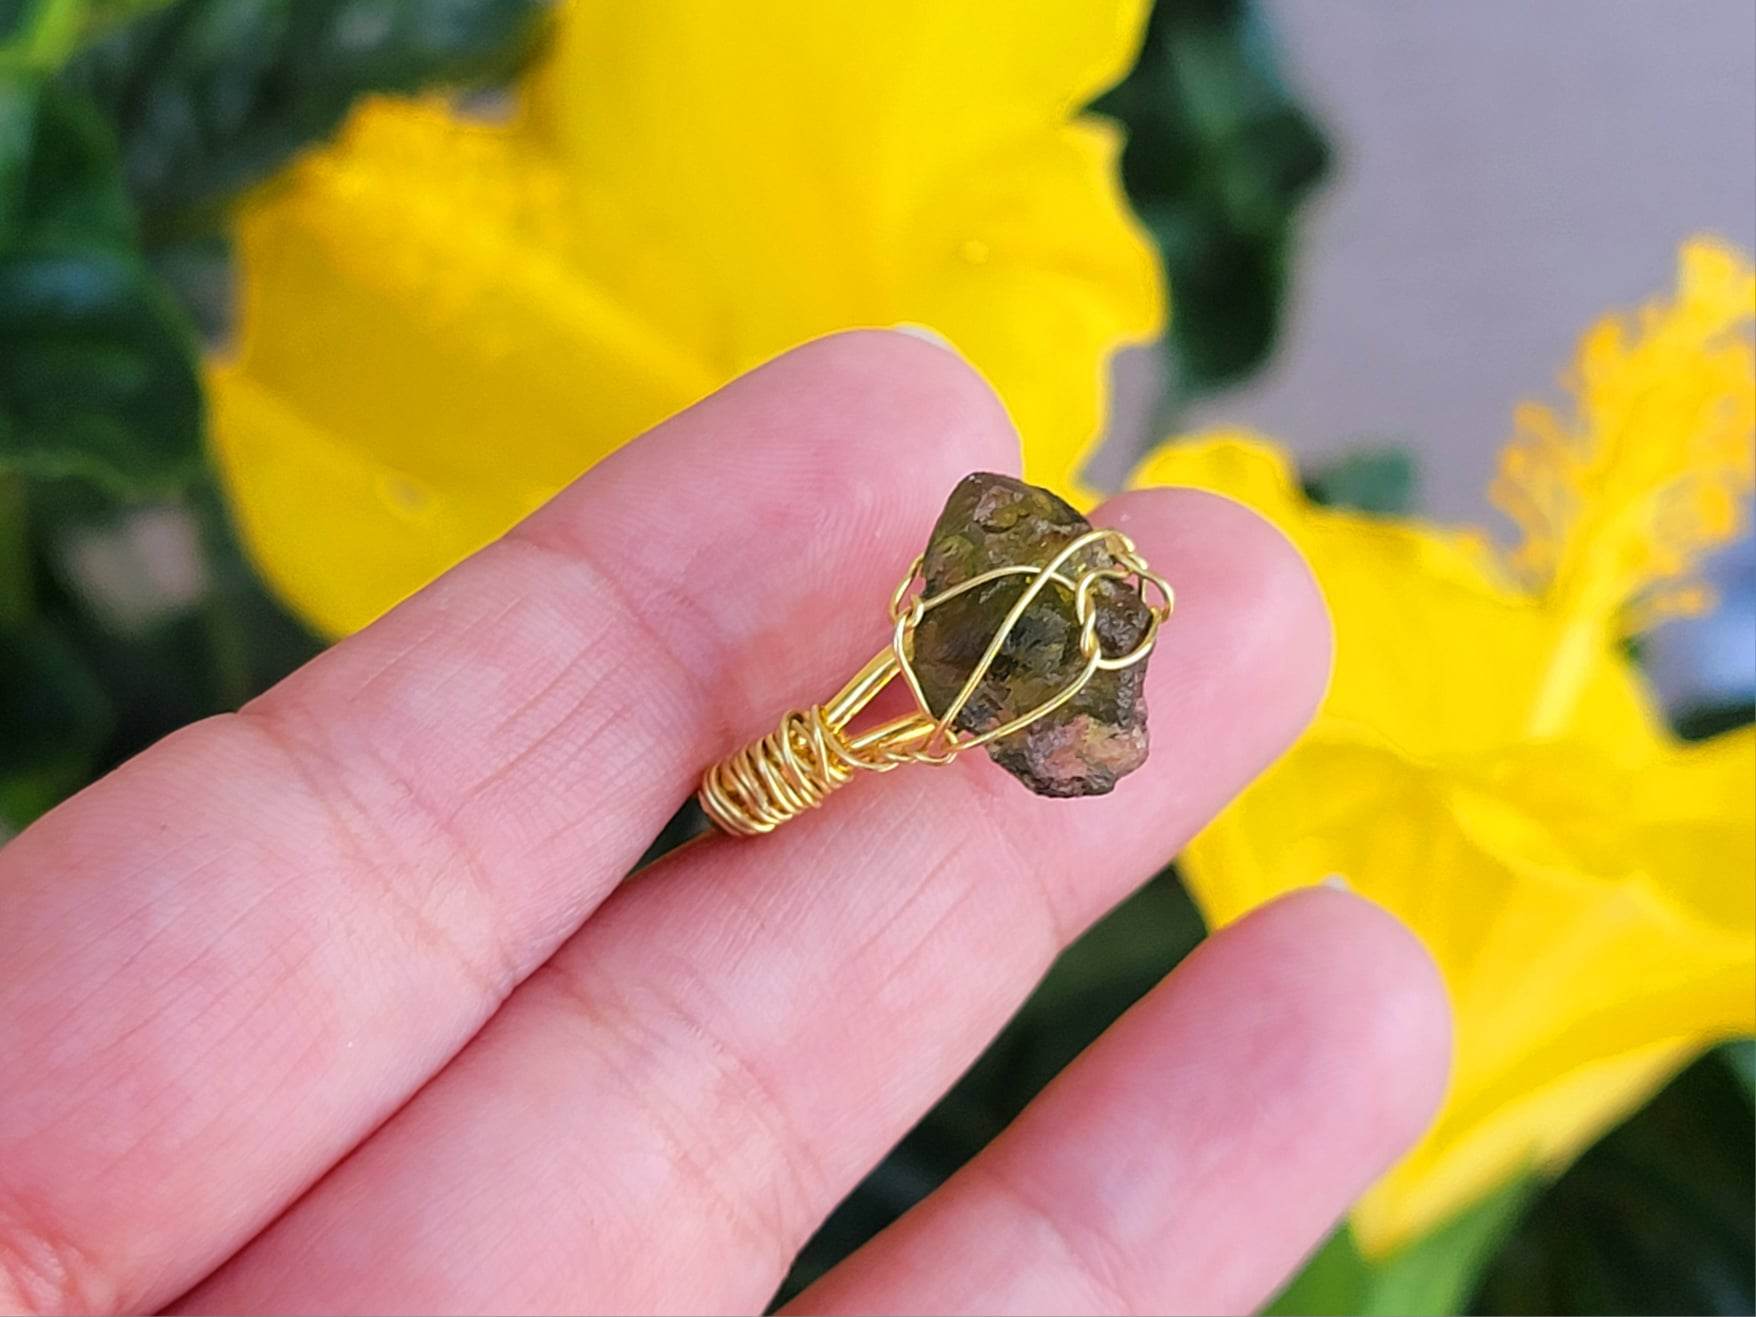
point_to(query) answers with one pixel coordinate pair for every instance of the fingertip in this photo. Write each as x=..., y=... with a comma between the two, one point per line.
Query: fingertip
x=898, y=390
x=1367, y=1000
x=1237, y=1111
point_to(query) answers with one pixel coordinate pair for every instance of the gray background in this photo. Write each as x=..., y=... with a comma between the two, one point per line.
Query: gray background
x=1506, y=171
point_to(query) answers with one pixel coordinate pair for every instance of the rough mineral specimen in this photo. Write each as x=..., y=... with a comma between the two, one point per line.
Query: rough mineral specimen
x=1084, y=746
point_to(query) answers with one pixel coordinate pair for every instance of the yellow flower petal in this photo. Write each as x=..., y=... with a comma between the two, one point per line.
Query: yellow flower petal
x=942, y=187
x=1020, y=246
x=886, y=103
x=1586, y=894
x=1237, y=463
x=415, y=335
x=1697, y=809
x=1435, y=651
x=477, y=312
x=372, y=511
x=1443, y=1175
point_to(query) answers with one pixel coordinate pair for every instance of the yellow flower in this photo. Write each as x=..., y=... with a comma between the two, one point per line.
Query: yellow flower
x=446, y=319
x=1490, y=766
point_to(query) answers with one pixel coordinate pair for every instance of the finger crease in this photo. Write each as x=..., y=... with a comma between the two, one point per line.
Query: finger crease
x=493, y=976
x=1098, y=1265
x=701, y=687
x=682, y=1131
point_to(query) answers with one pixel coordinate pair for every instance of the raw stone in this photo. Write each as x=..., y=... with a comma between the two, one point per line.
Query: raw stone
x=1083, y=747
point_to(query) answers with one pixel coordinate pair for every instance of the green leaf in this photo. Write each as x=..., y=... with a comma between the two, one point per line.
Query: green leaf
x=1219, y=158
x=56, y=718
x=1700, y=722
x=19, y=93
x=1741, y=1057
x=209, y=96
x=39, y=35
x=1659, y=1217
x=96, y=371
x=12, y=18
x=97, y=363
x=1440, y=1273
x=1436, y=1274
x=68, y=191
x=1334, y=1279
x=1379, y=480
x=17, y=573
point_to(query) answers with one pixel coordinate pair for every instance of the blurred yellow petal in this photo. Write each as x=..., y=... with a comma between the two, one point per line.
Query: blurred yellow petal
x=1625, y=495
x=479, y=311
x=1567, y=979
x=886, y=103
x=946, y=180
x=1574, y=1003
x=1435, y=651
x=372, y=511
x=1239, y=464
x=421, y=360
x=1019, y=247
x=1694, y=816
x=1444, y=1174
x=1582, y=879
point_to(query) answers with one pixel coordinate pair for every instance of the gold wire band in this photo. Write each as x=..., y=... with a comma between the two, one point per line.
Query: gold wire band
x=795, y=767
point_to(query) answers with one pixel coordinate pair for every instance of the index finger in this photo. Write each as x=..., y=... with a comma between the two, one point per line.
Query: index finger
x=224, y=965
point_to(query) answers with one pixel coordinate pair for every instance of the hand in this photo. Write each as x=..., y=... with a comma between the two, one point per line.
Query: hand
x=340, y=1002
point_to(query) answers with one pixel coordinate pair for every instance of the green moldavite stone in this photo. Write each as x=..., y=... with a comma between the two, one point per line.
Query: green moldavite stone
x=1084, y=746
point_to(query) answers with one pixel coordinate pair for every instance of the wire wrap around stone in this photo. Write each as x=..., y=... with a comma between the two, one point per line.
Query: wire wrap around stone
x=812, y=752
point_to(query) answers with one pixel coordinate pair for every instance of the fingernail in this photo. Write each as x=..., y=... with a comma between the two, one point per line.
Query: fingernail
x=1336, y=882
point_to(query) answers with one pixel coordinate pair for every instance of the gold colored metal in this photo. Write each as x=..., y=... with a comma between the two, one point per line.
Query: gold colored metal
x=796, y=766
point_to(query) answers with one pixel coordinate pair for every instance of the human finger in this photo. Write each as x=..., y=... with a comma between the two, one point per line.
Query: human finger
x=1201, y=1147
x=226, y=963
x=660, y=1117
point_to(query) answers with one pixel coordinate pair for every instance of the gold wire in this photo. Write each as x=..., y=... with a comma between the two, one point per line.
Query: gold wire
x=811, y=753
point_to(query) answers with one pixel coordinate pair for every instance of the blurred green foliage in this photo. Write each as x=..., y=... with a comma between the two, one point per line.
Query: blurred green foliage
x=1657, y=1218
x=97, y=361
x=207, y=96
x=1436, y=1274
x=1376, y=478
x=1219, y=159
x=126, y=127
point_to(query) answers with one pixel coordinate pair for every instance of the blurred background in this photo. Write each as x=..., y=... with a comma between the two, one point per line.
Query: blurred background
x=1502, y=173
x=1378, y=229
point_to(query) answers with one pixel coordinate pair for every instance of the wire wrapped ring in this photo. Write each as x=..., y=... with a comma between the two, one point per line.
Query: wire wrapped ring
x=812, y=752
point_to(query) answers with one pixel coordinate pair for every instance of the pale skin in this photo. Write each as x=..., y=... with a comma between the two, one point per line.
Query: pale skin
x=341, y=1002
